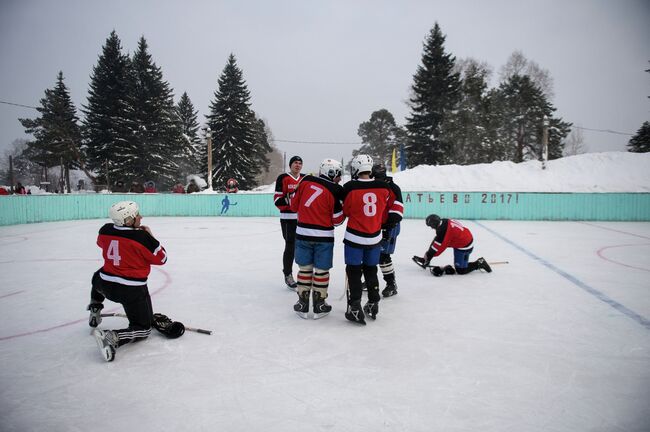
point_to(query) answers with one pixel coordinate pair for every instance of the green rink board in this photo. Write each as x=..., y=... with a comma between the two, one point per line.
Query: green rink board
x=461, y=205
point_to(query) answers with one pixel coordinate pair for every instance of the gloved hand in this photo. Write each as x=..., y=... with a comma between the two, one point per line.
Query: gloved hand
x=449, y=270
x=384, y=235
x=436, y=271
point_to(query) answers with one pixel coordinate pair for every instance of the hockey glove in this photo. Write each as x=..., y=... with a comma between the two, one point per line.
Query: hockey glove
x=436, y=271
x=171, y=329
x=449, y=270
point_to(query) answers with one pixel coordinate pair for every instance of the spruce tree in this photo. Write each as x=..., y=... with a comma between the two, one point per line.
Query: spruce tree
x=519, y=108
x=640, y=143
x=157, y=136
x=108, y=126
x=467, y=127
x=435, y=93
x=57, y=136
x=235, y=133
x=194, y=152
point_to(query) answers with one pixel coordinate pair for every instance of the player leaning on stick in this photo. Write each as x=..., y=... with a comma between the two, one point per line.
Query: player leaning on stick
x=285, y=185
x=318, y=204
x=368, y=204
x=129, y=250
x=451, y=233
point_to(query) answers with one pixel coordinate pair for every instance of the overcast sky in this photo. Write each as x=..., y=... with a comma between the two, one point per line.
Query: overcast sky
x=317, y=69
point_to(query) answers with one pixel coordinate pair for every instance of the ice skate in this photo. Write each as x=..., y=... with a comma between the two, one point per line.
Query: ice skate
x=302, y=306
x=371, y=310
x=107, y=343
x=482, y=264
x=290, y=282
x=390, y=290
x=355, y=314
x=321, y=308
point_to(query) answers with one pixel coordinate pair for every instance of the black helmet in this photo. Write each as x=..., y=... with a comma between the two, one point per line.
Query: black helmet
x=433, y=221
x=379, y=171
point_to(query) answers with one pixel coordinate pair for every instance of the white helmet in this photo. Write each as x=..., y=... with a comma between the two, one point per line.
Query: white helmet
x=330, y=168
x=123, y=213
x=360, y=163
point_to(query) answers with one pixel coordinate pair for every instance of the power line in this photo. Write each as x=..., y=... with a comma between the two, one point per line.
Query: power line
x=317, y=142
x=352, y=143
x=604, y=130
x=15, y=104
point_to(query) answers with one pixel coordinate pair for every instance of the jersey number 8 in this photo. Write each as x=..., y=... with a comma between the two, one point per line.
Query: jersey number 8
x=369, y=204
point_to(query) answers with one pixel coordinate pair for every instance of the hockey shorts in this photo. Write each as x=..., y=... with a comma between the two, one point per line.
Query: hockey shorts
x=461, y=257
x=389, y=240
x=317, y=253
x=358, y=256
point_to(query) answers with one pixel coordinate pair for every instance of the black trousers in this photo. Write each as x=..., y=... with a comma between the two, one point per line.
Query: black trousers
x=136, y=303
x=289, y=235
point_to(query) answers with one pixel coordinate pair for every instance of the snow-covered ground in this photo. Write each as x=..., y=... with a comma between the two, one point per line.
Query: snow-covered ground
x=558, y=339
x=590, y=172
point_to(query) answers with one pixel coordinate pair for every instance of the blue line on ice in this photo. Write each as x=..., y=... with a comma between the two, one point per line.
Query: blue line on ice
x=594, y=292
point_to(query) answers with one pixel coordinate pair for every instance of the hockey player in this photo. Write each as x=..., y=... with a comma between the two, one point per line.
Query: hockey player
x=317, y=202
x=389, y=233
x=285, y=185
x=451, y=233
x=368, y=204
x=129, y=250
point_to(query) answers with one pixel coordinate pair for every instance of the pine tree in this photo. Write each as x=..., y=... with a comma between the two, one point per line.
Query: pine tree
x=379, y=135
x=194, y=151
x=518, y=109
x=467, y=127
x=157, y=137
x=56, y=132
x=640, y=143
x=108, y=126
x=435, y=93
x=235, y=133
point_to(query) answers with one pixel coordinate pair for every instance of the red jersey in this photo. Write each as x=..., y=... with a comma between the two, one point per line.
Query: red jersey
x=368, y=203
x=128, y=254
x=318, y=204
x=285, y=185
x=450, y=233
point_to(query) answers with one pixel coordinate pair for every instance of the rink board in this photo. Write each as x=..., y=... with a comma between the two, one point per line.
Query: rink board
x=461, y=205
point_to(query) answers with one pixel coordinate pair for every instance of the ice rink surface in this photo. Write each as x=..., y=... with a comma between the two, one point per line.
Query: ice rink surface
x=556, y=340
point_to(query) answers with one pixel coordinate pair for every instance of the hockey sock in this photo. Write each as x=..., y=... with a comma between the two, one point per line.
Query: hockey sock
x=305, y=277
x=386, y=267
x=321, y=282
x=354, y=282
x=372, y=283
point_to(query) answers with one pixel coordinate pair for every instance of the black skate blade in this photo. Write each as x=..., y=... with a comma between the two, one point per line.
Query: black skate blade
x=418, y=263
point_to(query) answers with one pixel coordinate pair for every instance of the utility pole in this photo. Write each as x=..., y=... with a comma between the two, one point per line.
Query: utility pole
x=208, y=136
x=545, y=143
x=11, y=173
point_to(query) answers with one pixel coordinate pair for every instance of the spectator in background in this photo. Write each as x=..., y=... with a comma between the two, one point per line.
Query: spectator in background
x=149, y=187
x=193, y=187
x=232, y=186
x=20, y=189
x=178, y=188
x=136, y=187
x=119, y=187
x=4, y=191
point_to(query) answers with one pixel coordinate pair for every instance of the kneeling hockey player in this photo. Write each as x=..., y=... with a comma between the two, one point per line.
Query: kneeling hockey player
x=129, y=250
x=451, y=233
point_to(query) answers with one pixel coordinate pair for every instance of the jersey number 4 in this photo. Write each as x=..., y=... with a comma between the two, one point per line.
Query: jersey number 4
x=113, y=252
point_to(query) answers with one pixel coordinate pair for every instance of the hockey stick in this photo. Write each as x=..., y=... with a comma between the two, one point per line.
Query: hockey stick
x=345, y=290
x=194, y=329
x=429, y=265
